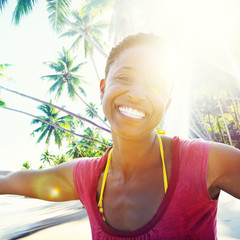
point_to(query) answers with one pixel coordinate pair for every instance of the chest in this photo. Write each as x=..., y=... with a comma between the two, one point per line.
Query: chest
x=129, y=206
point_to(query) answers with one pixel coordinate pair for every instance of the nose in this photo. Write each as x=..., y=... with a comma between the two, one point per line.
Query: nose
x=137, y=93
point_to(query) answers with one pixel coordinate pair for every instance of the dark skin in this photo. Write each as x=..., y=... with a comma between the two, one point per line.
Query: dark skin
x=134, y=188
x=124, y=200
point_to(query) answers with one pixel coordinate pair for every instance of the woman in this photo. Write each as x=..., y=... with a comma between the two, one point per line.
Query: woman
x=146, y=186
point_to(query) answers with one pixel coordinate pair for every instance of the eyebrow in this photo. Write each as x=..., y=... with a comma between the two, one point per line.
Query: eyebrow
x=126, y=68
x=133, y=69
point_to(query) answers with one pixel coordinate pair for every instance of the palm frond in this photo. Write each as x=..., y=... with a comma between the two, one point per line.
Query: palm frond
x=76, y=68
x=71, y=91
x=69, y=33
x=82, y=91
x=58, y=10
x=59, y=90
x=23, y=8
x=51, y=77
x=50, y=131
x=2, y=4
x=101, y=24
x=55, y=85
x=57, y=137
x=44, y=133
x=4, y=66
x=76, y=43
x=52, y=65
x=36, y=121
x=2, y=103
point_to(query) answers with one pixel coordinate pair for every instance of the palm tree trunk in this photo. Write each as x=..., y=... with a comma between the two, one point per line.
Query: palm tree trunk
x=224, y=121
x=95, y=114
x=56, y=126
x=85, y=36
x=79, y=143
x=61, y=109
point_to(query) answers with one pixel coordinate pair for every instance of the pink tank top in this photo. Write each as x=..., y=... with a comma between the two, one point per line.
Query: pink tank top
x=186, y=212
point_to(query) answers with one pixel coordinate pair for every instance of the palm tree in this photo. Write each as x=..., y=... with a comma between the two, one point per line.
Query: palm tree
x=51, y=105
x=75, y=150
x=91, y=148
x=58, y=10
x=94, y=109
x=47, y=157
x=46, y=130
x=65, y=75
x=60, y=159
x=83, y=20
x=58, y=14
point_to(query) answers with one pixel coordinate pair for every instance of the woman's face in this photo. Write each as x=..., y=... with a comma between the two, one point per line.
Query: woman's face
x=137, y=92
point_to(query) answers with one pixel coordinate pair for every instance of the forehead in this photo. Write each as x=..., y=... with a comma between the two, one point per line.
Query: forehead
x=143, y=59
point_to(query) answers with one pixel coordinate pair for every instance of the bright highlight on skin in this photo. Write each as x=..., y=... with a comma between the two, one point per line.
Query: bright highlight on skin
x=54, y=193
x=155, y=90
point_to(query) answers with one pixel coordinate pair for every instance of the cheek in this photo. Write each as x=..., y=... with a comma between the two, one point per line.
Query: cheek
x=108, y=100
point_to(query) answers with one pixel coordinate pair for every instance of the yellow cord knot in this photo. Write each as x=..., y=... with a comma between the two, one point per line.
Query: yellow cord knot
x=161, y=132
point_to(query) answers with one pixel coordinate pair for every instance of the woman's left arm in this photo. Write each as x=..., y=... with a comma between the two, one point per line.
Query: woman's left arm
x=223, y=170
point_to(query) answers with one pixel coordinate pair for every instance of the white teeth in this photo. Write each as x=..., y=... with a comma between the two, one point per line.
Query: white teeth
x=130, y=112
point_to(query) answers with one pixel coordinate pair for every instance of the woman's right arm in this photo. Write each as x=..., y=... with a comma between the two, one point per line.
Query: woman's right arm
x=52, y=184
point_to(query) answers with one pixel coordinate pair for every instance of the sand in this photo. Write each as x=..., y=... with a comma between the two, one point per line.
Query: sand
x=44, y=220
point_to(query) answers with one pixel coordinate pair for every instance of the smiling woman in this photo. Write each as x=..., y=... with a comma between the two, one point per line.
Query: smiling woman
x=145, y=183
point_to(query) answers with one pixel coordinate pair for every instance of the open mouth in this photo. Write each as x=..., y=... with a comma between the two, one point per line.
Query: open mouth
x=132, y=113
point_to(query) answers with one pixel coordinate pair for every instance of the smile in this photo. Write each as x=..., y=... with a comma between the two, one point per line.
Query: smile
x=132, y=113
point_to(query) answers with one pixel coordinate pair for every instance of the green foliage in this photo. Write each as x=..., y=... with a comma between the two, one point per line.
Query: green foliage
x=2, y=4
x=59, y=159
x=89, y=113
x=216, y=110
x=75, y=150
x=47, y=158
x=2, y=103
x=84, y=21
x=46, y=131
x=26, y=166
x=65, y=75
x=23, y=8
x=58, y=10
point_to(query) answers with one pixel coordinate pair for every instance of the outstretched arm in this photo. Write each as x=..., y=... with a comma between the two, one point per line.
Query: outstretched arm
x=53, y=184
x=224, y=170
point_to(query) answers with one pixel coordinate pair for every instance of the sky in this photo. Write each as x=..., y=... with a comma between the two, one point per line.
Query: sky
x=204, y=28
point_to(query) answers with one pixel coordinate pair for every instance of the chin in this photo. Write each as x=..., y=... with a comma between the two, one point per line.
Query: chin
x=132, y=133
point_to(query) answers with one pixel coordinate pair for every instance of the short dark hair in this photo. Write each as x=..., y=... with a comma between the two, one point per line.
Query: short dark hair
x=138, y=39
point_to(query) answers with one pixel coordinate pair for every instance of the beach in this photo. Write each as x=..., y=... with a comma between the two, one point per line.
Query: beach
x=32, y=219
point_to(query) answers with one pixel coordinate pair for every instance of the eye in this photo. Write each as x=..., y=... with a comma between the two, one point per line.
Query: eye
x=123, y=78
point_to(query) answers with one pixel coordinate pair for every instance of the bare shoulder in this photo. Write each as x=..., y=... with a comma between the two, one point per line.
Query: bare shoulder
x=65, y=170
x=223, y=171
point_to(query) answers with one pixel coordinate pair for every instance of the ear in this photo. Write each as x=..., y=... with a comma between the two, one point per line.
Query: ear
x=102, y=88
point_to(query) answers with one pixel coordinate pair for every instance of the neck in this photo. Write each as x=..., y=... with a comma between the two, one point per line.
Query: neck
x=132, y=156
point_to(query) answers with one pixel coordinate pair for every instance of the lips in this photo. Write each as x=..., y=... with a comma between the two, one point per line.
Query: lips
x=131, y=112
